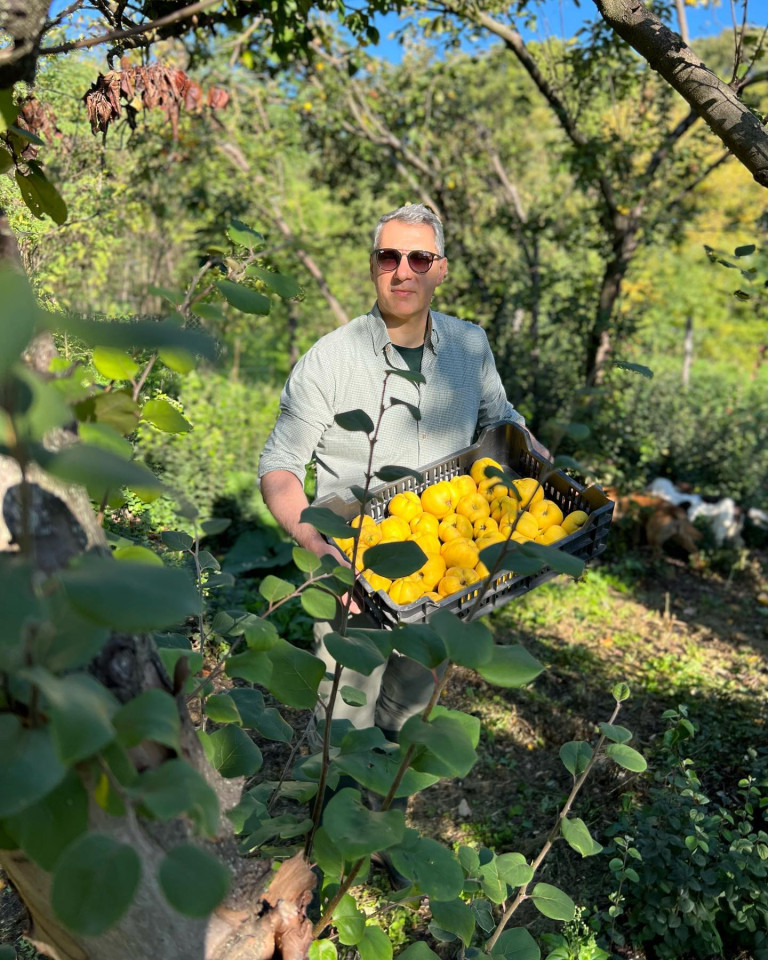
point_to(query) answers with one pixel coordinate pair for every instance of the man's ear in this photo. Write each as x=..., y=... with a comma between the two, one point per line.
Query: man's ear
x=443, y=271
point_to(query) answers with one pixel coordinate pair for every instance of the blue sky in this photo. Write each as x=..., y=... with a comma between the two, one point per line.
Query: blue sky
x=562, y=18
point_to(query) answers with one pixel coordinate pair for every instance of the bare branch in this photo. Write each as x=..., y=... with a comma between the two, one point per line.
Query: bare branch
x=142, y=28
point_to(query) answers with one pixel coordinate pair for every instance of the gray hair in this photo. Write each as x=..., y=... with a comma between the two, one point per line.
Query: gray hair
x=413, y=213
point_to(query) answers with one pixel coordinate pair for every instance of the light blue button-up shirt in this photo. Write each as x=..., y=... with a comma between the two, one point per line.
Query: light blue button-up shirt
x=346, y=370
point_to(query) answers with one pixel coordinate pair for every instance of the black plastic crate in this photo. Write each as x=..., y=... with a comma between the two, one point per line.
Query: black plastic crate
x=508, y=445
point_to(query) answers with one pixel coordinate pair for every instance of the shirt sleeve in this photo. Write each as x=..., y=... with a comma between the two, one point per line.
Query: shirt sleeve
x=306, y=412
x=494, y=406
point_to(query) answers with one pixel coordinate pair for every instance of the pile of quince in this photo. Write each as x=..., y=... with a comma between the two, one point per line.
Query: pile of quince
x=453, y=521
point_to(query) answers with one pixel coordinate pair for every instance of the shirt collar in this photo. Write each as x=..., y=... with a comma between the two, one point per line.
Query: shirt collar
x=381, y=336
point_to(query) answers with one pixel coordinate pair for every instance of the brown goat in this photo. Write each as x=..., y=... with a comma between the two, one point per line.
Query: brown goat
x=661, y=520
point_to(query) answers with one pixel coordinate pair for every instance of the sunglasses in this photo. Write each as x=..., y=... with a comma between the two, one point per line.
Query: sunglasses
x=388, y=259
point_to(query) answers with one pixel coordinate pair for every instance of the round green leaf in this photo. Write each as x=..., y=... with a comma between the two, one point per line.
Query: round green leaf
x=417, y=951
x=106, y=437
x=48, y=826
x=137, y=554
x=328, y=522
x=455, y=917
x=375, y=944
x=94, y=883
x=193, y=881
x=255, y=716
x=295, y=676
x=100, y=470
x=240, y=233
x=178, y=360
x=510, y=666
x=174, y=788
x=163, y=415
x=394, y=560
x=244, y=298
x=232, y=752
x=357, y=831
x=575, y=755
x=221, y=709
x=273, y=588
x=575, y=832
x=284, y=286
x=319, y=603
x=349, y=922
x=468, y=644
x=114, y=364
x=516, y=944
x=355, y=421
x=323, y=950
x=357, y=651
x=152, y=715
x=431, y=866
x=615, y=732
x=626, y=757
x=553, y=903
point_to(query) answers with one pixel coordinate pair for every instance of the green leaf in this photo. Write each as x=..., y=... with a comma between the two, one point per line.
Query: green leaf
x=575, y=755
x=469, y=860
x=261, y=634
x=177, y=540
x=419, y=642
x=7, y=952
x=411, y=375
x=516, y=944
x=136, y=554
x=349, y=922
x=129, y=596
x=116, y=409
x=445, y=738
x=634, y=368
x=352, y=696
x=615, y=732
x=555, y=558
x=19, y=314
x=134, y=334
x=514, y=869
x=391, y=474
x=8, y=109
x=284, y=286
x=375, y=770
x=510, y=666
x=99, y=470
x=296, y=675
x=306, y=560
x=243, y=235
x=253, y=666
x=417, y=951
x=232, y=752
x=577, y=835
x=323, y=950
x=174, y=788
x=327, y=522
x=455, y=917
x=412, y=408
x=40, y=195
x=620, y=692
x=355, y=421
x=215, y=525
x=430, y=865
x=553, y=903
x=94, y=883
x=255, y=716
x=180, y=361
x=244, y=298
x=468, y=644
x=114, y=364
x=745, y=251
x=152, y=715
x=221, y=708
x=163, y=415
x=318, y=603
x=375, y=944
x=75, y=642
x=626, y=757
x=357, y=831
x=394, y=560
x=193, y=881
x=509, y=556
x=80, y=710
x=359, y=651
x=484, y=915
x=45, y=828
x=494, y=885
x=106, y=437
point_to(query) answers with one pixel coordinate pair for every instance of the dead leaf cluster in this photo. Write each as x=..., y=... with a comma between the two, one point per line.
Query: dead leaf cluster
x=151, y=87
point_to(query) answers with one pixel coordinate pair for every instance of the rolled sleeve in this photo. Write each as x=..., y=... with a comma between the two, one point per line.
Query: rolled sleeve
x=306, y=412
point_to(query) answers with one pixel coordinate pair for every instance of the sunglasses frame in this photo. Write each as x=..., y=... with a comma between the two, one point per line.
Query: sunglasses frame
x=407, y=254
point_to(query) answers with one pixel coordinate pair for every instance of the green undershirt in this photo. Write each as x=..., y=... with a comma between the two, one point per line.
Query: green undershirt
x=412, y=356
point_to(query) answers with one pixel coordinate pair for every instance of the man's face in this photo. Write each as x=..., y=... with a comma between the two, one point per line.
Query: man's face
x=403, y=295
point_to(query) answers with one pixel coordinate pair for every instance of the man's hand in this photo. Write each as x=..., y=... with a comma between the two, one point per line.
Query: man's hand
x=538, y=447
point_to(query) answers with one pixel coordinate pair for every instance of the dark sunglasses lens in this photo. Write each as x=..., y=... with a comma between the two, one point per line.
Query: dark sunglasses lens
x=388, y=260
x=420, y=261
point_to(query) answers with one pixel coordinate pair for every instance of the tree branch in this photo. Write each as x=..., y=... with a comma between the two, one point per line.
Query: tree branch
x=713, y=100
x=165, y=21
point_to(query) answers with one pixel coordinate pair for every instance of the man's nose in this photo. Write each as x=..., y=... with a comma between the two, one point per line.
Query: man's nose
x=403, y=271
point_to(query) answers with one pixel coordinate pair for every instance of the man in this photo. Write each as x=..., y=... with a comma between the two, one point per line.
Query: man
x=345, y=370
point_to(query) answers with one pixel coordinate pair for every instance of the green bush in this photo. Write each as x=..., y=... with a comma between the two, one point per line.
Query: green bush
x=713, y=436
x=217, y=462
x=699, y=885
